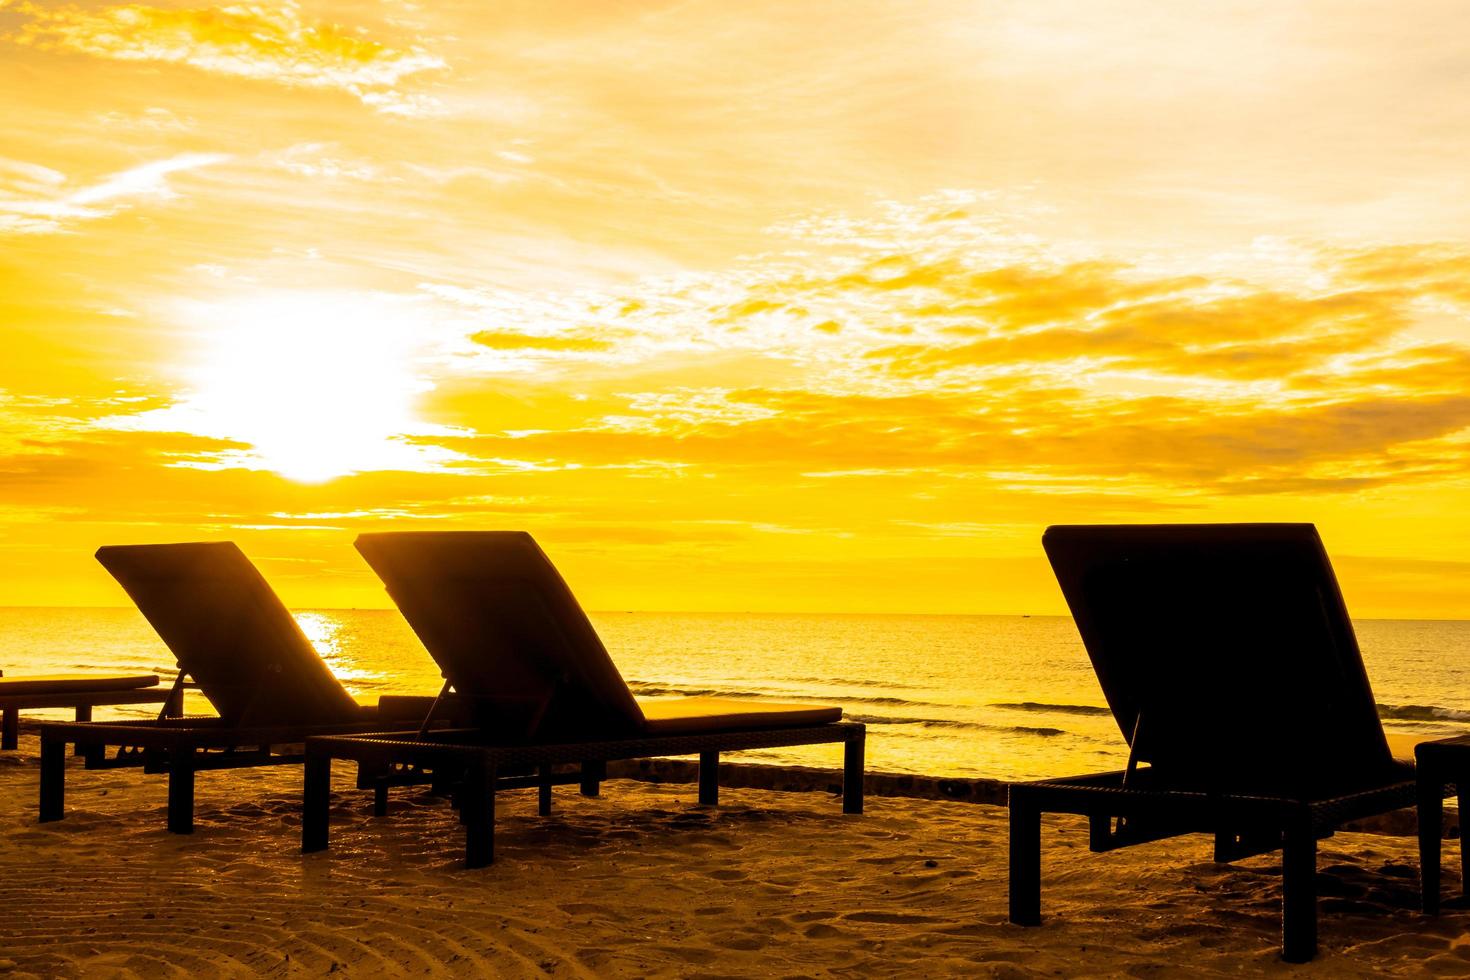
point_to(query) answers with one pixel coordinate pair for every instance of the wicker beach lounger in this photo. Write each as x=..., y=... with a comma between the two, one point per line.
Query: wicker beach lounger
x=1227, y=658
x=236, y=643
x=531, y=671
x=80, y=691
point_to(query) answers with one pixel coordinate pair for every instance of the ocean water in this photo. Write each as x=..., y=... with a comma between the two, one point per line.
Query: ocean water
x=1006, y=697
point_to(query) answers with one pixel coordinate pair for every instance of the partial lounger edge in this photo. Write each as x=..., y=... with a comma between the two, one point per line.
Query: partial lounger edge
x=677, y=716
x=75, y=683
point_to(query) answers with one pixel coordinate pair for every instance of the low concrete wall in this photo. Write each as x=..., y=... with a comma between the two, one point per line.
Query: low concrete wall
x=805, y=779
x=808, y=779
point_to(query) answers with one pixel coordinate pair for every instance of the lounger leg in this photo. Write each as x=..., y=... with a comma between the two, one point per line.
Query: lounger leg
x=1299, y=893
x=84, y=713
x=94, y=753
x=53, y=778
x=1431, y=820
x=440, y=783
x=1025, y=870
x=479, y=812
x=10, y=728
x=316, y=799
x=380, y=798
x=709, y=778
x=181, y=790
x=852, y=773
x=593, y=773
x=174, y=706
x=543, y=791
x=1462, y=799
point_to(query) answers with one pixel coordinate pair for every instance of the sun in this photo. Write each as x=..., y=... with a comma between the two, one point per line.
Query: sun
x=317, y=384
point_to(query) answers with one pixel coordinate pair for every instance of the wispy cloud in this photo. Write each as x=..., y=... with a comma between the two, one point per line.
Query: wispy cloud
x=255, y=41
x=154, y=119
x=35, y=199
x=937, y=338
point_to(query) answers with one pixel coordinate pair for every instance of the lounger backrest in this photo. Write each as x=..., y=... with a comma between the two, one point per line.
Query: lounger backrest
x=1233, y=642
x=506, y=631
x=230, y=632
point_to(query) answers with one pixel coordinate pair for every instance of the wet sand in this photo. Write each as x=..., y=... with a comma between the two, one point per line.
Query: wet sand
x=643, y=882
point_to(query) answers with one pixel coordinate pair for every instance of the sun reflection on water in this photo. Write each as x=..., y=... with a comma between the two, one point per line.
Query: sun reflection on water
x=326, y=634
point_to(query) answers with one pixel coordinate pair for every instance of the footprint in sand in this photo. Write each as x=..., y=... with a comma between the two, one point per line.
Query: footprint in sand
x=741, y=941
x=820, y=930
x=728, y=874
x=889, y=918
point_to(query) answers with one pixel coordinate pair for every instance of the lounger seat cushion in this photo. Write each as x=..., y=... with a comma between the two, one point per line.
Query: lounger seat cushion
x=678, y=716
x=74, y=683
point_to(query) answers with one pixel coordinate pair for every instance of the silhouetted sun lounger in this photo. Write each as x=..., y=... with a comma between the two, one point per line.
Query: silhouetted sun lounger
x=236, y=643
x=1227, y=657
x=519, y=651
x=80, y=691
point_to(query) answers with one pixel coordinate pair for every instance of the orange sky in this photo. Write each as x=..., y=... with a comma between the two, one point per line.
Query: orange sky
x=787, y=306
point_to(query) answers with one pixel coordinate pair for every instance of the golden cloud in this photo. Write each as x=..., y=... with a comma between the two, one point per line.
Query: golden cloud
x=1084, y=386
x=509, y=340
x=252, y=41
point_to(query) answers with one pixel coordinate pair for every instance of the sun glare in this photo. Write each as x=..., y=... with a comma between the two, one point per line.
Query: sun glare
x=325, y=633
x=318, y=384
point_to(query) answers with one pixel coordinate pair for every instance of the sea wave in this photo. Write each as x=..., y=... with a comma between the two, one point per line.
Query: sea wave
x=953, y=723
x=849, y=682
x=1061, y=709
x=1388, y=712
x=859, y=699
x=1421, y=712
x=658, y=690
x=648, y=689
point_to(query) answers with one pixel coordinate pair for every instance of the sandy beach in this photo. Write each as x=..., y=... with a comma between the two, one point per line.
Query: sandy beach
x=643, y=882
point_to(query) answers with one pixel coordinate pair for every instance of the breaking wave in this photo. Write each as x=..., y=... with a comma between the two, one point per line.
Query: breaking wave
x=954, y=723
x=1061, y=709
x=1421, y=712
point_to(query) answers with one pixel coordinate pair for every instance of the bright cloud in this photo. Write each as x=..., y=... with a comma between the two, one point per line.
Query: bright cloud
x=255, y=41
x=928, y=337
x=35, y=199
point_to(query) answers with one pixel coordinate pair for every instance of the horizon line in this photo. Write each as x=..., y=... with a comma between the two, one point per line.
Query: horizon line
x=761, y=612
